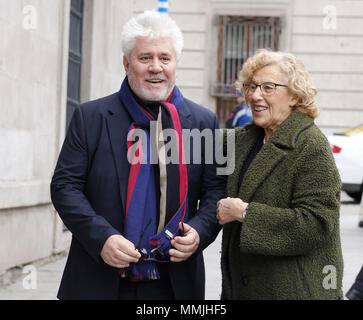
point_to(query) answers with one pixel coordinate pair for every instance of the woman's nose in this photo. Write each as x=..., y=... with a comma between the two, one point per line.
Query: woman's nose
x=257, y=94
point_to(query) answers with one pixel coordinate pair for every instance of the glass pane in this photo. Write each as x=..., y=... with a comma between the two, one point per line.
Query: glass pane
x=75, y=34
x=77, y=5
x=74, y=80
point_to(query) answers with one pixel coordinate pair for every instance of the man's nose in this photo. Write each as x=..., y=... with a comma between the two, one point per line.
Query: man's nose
x=155, y=66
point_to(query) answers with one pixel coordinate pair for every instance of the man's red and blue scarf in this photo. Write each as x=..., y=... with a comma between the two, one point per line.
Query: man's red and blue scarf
x=144, y=226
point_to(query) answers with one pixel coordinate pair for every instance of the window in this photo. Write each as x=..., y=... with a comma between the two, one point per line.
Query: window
x=75, y=58
x=238, y=38
x=74, y=61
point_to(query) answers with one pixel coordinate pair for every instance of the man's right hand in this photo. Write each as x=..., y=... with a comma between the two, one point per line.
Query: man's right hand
x=119, y=252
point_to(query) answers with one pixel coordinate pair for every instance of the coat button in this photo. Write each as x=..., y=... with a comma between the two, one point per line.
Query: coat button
x=245, y=281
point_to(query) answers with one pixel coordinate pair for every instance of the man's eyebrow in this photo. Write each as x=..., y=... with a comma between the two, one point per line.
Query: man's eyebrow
x=143, y=54
x=150, y=53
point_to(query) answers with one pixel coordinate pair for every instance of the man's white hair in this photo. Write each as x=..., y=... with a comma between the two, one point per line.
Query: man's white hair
x=153, y=25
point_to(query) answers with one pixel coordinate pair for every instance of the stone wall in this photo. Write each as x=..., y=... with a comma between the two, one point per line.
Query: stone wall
x=31, y=72
x=34, y=37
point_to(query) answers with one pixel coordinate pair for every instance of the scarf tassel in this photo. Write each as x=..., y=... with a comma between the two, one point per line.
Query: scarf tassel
x=146, y=270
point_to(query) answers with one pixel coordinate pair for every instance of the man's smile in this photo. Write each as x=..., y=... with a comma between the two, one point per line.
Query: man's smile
x=155, y=80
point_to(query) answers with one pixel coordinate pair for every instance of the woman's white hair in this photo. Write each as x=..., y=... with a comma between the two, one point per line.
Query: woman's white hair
x=152, y=25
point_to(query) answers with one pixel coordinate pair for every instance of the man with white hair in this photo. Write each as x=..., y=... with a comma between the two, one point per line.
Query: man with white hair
x=139, y=226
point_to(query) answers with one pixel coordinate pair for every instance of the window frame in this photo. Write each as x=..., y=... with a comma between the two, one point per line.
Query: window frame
x=74, y=76
x=223, y=90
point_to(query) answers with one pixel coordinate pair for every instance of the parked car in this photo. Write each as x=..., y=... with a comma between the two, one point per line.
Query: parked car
x=347, y=148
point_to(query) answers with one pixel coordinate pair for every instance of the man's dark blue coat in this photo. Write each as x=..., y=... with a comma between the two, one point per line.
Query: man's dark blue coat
x=89, y=188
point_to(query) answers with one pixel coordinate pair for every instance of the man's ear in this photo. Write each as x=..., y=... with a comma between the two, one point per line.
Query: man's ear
x=126, y=65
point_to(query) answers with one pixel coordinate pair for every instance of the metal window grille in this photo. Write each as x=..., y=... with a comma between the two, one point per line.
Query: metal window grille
x=238, y=38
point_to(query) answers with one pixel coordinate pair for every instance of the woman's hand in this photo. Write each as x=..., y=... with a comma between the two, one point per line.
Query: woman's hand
x=230, y=209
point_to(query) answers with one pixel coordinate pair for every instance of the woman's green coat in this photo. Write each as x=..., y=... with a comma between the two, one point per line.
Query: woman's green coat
x=288, y=246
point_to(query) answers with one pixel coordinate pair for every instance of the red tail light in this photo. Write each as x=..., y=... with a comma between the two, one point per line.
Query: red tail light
x=335, y=149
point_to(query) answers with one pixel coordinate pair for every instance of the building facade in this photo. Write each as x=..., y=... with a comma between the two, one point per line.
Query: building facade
x=56, y=54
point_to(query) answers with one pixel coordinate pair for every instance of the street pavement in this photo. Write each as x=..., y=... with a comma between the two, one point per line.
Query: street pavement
x=48, y=275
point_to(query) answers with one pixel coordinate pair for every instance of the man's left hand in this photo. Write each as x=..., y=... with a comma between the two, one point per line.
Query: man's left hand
x=184, y=246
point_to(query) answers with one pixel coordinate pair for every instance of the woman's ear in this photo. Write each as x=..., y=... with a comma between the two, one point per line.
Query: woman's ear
x=293, y=100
